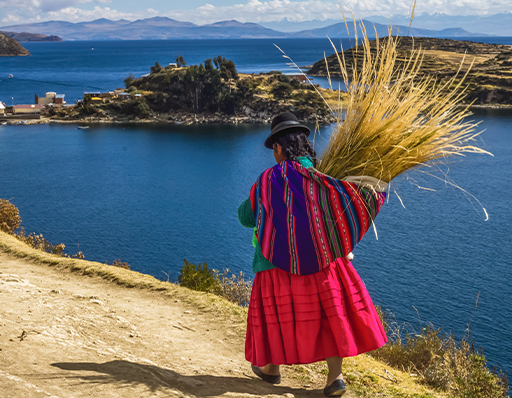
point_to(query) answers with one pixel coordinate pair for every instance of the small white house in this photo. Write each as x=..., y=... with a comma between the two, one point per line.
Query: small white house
x=2, y=108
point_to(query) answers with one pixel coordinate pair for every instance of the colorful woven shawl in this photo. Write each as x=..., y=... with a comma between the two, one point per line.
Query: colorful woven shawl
x=305, y=220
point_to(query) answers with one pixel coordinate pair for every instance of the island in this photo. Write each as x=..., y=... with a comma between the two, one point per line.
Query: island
x=10, y=47
x=211, y=92
x=489, y=81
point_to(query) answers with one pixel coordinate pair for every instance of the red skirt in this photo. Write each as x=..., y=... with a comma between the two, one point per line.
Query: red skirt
x=299, y=319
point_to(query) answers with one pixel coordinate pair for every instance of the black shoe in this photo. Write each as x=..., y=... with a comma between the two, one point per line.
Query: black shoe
x=336, y=389
x=268, y=378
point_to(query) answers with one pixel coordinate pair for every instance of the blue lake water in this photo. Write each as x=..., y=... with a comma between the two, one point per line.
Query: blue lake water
x=74, y=67
x=154, y=195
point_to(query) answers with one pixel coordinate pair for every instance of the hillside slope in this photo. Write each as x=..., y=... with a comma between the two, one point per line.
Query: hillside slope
x=25, y=37
x=10, y=47
x=489, y=80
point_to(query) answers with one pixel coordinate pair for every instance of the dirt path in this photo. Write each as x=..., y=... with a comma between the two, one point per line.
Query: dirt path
x=66, y=335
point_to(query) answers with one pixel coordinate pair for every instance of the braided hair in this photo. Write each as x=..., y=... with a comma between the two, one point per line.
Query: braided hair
x=295, y=144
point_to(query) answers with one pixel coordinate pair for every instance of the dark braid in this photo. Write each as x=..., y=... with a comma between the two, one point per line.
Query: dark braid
x=296, y=144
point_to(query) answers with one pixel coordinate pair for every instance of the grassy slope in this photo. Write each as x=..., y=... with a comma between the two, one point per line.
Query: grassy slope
x=489, y=80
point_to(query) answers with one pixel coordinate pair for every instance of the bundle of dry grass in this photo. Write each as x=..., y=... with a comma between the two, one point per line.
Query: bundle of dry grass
x=392, y=119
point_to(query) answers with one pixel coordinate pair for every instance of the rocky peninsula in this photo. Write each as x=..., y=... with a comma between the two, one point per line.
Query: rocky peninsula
x=26, y=37
x=489, y=81
x=10, y=47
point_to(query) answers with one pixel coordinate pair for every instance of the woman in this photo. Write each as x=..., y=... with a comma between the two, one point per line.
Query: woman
x=307, y=304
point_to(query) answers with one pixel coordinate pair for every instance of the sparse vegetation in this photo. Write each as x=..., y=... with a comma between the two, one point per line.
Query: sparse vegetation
x=10, y=222
x=120, y=264
x=443, y=363
x=235, y=288
x=9, y=217
x=39, y=242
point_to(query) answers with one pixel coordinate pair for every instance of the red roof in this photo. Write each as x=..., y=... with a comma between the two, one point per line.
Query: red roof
x=37, y=106
x=301, y=78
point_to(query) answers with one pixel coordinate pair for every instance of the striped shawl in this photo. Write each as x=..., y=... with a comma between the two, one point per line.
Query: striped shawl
x=305, y=220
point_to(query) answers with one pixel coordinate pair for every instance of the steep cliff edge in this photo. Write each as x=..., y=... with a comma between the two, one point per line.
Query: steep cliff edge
x=10, y=47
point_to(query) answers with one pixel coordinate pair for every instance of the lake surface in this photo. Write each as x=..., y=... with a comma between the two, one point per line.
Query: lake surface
x=71, y=68
x=154, y=195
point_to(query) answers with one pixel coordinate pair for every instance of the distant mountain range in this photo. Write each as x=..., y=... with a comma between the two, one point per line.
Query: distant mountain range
x=160, y=28
x=492, y=25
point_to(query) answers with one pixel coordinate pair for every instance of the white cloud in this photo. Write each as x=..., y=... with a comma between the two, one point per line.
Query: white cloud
x=10, y=18
x=74, y=14
x=256, y=11
x=252, y=11
x=273, y=10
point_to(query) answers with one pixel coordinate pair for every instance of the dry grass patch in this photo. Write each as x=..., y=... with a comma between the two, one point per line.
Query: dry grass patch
x=394, y=119
x=458, y=59
x=130, y=279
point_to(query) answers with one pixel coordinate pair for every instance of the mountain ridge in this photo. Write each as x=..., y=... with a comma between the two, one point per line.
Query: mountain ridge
x=494, y=25
x=162, y=28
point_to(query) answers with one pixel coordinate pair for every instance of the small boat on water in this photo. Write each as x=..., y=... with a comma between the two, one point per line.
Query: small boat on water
x=11, y=76
x=3, y=123
x=83, y=127
x=22, y=122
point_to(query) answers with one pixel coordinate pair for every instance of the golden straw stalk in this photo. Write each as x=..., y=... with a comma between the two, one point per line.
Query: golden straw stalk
x=394, y=120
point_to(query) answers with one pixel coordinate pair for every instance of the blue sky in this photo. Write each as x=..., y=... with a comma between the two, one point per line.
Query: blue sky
x=14, y=12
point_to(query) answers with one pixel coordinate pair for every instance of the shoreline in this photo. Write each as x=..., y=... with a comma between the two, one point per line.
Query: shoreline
x=179, y=120
x=186, y=119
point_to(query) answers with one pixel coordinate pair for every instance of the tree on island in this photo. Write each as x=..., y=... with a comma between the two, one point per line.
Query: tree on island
x=128, y=81
x=226, y=67
x=157, y=68
x=180, y=61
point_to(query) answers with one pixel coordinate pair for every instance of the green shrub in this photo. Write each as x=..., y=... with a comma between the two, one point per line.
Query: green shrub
x=440, y=361
x=282, y=90
x=129, y=80
x=198, y=277
x=9, y=217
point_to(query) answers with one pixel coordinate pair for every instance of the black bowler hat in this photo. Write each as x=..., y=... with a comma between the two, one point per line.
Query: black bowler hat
x=282, y=122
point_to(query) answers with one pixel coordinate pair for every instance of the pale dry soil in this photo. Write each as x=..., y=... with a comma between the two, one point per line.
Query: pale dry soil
x=68, y=335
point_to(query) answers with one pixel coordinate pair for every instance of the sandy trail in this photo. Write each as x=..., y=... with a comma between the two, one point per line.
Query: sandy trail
x=66, y=335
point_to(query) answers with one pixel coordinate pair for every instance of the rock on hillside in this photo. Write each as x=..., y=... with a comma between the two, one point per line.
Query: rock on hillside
x=10, y=47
